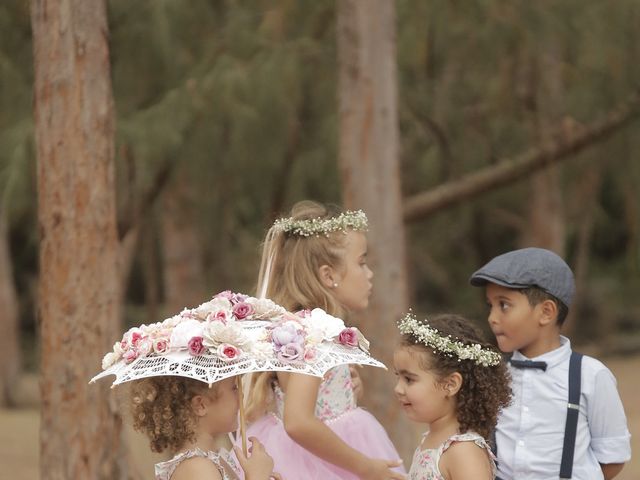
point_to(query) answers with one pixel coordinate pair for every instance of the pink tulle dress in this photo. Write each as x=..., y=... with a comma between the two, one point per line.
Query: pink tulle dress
x=336, y=407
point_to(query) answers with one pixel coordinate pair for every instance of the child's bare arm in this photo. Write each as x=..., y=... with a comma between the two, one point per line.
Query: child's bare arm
x=610, y=470
x=463, y=460
x=302, y=426
x=196, y=467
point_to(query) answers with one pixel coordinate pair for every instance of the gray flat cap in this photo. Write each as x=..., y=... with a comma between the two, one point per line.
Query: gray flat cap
x=529, y=267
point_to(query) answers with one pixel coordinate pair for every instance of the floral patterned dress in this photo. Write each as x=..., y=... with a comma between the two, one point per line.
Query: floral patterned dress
x=425, y=462
x=223, y=461
x=335, y=396
x=336, y=407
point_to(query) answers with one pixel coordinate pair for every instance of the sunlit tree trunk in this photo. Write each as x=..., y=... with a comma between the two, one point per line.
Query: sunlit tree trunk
x=9, y=340
x=79, y=284
x=369, y=164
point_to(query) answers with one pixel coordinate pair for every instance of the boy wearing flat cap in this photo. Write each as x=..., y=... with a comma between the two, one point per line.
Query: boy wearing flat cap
x=566, y=419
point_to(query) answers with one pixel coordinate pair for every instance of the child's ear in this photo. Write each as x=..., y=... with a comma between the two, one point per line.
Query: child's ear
x=549, y=311
x=199, y=405
x=452, y=384
x=326, y=274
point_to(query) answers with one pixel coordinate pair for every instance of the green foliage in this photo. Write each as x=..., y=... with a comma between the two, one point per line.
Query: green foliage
x=239, y=98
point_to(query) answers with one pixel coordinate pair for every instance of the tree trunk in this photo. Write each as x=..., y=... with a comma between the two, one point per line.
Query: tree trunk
x=184, y=281
x=369, y=164
x=546, y=212
x=9, y=340
x=587, y=193
x=79, y=284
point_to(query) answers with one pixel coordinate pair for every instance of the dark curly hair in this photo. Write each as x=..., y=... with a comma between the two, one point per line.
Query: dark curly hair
x=161, y=409
x=484, y=390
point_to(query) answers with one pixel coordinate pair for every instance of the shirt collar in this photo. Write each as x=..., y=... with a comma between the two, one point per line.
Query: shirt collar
x=554, y=357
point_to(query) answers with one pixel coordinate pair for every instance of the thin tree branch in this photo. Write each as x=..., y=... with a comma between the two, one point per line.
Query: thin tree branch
x=489, y=178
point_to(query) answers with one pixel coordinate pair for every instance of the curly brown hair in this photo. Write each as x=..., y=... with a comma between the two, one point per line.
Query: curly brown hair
x=161, y=409
x=484, y=390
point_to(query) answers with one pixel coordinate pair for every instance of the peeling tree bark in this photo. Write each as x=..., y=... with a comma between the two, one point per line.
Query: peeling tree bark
x=79, y=300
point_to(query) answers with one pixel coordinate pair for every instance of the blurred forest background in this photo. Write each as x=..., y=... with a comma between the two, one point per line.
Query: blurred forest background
x=515, y=127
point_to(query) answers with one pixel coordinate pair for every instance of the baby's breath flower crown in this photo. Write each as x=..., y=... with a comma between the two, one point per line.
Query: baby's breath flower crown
x=349, y=220
x=431, y=338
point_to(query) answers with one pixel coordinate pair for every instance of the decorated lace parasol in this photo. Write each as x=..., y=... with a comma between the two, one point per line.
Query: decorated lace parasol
x=233, y=334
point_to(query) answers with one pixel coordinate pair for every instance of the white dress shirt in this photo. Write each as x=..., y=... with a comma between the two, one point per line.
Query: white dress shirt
x=530, y=432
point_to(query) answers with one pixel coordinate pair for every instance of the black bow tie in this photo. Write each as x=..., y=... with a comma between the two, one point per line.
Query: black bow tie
x=529, y=364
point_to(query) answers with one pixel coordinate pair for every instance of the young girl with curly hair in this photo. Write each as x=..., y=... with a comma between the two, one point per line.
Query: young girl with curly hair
x=185, y=416
x=452, y=380
x=313, y=428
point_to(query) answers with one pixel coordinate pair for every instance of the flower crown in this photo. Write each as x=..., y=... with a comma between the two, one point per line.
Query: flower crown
x=430, y=337
x=353, y=220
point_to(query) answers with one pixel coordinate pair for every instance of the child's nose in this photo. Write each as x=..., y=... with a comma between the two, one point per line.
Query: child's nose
x=492, y=318
x=397, y=389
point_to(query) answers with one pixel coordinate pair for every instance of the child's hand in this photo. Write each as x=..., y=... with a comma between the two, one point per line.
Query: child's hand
x=381, y=470
x=259, y=465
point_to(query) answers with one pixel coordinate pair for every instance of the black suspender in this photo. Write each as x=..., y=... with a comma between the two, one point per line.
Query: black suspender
x=573, y=410
x=571, y=425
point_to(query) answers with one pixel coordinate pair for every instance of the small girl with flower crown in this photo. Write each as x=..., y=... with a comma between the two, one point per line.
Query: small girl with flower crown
x=312, y=428
x=449, y=378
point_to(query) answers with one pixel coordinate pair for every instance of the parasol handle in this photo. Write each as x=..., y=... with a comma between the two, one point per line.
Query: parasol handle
x=243, y=431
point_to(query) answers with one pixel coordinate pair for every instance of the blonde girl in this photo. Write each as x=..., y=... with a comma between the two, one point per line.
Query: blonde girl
x=452, y=380
x=311, y=427
x=185, y=416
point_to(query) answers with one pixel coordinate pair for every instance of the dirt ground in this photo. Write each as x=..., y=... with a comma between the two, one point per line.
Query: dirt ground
x=19, y=442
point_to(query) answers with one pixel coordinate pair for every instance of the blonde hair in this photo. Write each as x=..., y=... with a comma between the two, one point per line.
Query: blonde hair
x=161, y=409
x=289, y=275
